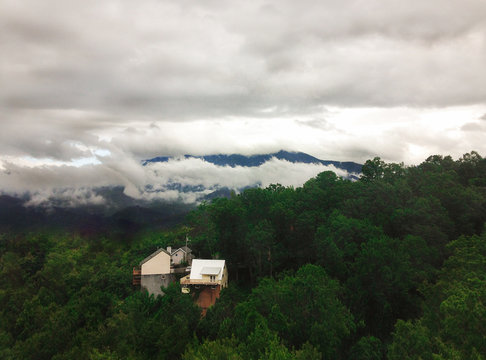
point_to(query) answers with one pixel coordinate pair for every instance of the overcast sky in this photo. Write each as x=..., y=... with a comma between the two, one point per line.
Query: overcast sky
x=92, y=87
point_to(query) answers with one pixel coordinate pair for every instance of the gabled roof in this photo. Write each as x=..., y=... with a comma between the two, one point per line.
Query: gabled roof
x=153, y=255
x=183, y=248
x=186, y=249
x=202, y=267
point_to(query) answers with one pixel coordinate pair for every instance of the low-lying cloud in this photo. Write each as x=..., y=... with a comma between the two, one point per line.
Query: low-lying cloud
x=66, y=197
x=73, y=186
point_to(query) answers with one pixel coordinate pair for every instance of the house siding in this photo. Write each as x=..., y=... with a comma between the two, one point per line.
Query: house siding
x=159, y=264
x=178, y=257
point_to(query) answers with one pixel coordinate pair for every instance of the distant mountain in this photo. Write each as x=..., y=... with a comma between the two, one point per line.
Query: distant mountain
x=124, y=214
x=257, y=160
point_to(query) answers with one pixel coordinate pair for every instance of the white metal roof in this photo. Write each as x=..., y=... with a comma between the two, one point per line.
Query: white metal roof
x=210, y=270
x=206, y=267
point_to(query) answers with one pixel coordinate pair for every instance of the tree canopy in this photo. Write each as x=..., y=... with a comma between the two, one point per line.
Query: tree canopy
x=390, y=266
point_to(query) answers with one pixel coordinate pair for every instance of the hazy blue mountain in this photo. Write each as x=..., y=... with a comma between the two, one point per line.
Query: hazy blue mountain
x=257, y=160
x=122, y=213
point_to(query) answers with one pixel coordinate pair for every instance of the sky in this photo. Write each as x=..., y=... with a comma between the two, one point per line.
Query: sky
x=90, y=88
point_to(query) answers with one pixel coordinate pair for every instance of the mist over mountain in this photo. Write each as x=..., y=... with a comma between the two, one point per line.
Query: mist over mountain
x=162, y=190
x=198, y=178
x=234, y=160
x=205, y=176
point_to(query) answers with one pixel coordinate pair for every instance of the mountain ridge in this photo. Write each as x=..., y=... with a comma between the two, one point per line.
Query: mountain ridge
x=234, y=160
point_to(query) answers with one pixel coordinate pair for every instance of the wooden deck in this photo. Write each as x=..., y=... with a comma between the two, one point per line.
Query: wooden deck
x=187, y=281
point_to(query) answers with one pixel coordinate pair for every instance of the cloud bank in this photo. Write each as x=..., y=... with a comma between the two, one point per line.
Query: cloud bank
x=152, y=182
x=91, y=88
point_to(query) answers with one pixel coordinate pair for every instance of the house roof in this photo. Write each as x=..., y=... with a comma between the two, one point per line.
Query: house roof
x=183, y=248
x=210, y=270
x=202, y=267
x=153, y=255
x=186, y=249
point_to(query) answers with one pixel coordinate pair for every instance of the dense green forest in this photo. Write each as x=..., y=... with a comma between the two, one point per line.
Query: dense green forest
x=392, y=266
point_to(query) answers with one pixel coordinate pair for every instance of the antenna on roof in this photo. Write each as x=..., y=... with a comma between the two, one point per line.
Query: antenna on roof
x=187, y=240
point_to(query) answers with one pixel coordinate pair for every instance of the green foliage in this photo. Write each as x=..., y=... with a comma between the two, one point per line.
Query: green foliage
x=217, y=318
x=453, y=322
x=380, y=285
x=334, y=269
x=377, y=169
x=153, y=327
x=301, y=308
x=367, y=348
x=410, y=341
x=339, y=242
x=277, y=351
x=224, y=349
x=308, y=352
x=62, y=297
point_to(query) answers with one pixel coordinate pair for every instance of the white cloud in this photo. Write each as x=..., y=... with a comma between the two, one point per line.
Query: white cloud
x=74, y=185
x=102, y=85
x=65, y=197
x=198, y=172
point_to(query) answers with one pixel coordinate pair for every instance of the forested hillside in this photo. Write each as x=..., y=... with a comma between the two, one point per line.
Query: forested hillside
x=390, y=266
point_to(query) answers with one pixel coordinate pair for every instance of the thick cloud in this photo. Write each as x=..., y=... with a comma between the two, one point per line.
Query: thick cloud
x=108, y=83
x=182, y=59
x=197, y=172
x=70, y=186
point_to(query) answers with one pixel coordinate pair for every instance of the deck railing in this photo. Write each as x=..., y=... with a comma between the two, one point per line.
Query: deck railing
x=187, y=281
x=137, y=276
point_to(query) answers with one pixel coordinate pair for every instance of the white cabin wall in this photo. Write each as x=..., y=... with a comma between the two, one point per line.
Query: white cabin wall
x=159, y=264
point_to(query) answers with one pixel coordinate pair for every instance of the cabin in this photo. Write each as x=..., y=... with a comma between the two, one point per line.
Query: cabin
x=156, y=263
x=206, y=279
x=182, y=255
x=155, y=272
x=159, y=269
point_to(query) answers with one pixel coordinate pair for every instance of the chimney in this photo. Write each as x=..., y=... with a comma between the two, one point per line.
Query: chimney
x=169, y=249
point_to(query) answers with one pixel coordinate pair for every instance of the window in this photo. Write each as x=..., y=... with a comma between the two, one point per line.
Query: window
x=212, y=278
